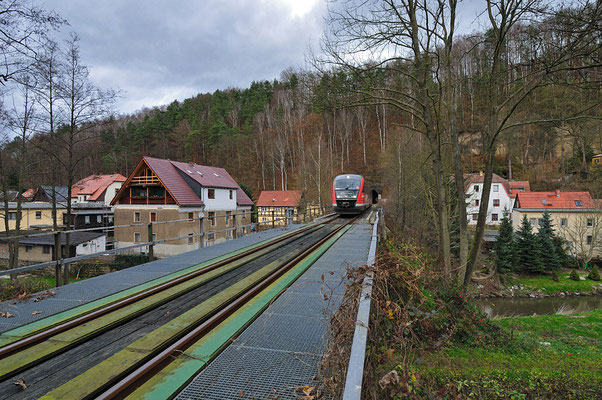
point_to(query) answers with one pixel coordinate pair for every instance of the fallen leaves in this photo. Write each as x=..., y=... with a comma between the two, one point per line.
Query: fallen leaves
x=390, y=378
x=20, y=382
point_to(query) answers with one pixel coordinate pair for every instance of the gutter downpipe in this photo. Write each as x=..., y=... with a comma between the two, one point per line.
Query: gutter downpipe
x=355, y=370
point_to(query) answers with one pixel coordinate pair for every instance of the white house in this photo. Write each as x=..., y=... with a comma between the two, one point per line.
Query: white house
x=501, y=197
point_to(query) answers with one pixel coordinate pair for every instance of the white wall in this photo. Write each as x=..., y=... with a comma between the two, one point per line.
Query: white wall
x=506, y=202
x=222, y=200
x=93, y=246
x=111, y=191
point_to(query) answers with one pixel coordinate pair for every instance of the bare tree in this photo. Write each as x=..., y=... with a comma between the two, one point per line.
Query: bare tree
x=23, y=27
x=578, y=34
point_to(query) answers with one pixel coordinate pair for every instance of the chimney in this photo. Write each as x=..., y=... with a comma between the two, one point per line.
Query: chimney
x=557, y=192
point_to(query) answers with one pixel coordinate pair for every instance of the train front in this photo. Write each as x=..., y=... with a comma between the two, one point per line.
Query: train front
x=347, y=194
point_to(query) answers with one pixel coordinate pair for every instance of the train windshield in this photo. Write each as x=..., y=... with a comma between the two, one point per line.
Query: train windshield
x=347, y=184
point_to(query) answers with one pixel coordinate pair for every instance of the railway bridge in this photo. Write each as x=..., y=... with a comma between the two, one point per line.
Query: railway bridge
x=244, y=319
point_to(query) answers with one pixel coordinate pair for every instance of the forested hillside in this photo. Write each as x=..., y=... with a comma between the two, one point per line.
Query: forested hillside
x=522, y=94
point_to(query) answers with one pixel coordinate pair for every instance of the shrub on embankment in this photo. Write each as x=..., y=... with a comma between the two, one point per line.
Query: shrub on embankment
x=428, y=340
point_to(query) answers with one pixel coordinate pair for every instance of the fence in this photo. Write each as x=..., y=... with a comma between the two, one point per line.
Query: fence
x=61, y=263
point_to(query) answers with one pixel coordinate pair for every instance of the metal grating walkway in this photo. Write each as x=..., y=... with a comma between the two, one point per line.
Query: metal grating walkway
x=281, y=349
x=82, y=292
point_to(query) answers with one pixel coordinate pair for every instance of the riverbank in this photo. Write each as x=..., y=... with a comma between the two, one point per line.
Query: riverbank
x=548, y=357
x=538, y=286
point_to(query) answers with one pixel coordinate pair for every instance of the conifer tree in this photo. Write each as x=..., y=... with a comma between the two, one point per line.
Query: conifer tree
x=545, y=237
x=528, y=249
x=505, y=248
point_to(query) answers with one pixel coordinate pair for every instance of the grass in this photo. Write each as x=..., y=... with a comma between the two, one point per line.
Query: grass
x=545, y=284
x=551, y=356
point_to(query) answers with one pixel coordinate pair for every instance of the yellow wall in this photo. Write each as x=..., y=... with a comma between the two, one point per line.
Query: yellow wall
x=574, y=230
x=29, y=217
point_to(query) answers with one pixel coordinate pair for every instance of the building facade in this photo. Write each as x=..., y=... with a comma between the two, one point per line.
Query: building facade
x=97, y=188
x=196, y=198
x=280, y=206
x=501, y=197
x=576, y=217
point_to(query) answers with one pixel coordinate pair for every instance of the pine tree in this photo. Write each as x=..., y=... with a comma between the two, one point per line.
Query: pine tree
x=505, y=248
x=528, y=249
x=545, y=237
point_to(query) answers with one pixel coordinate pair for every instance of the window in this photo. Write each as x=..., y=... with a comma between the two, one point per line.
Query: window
x=244, y=230
x=212, y=218
x=563, y=222
x=496, y=202
x=38, y=214
x=28, y=249
x=231, y=194
x=190, y=216
x=154, y=237
x=494, y=217
x=578, y=203
x=228, y=234
x=153, y=217
x=539, y=221
x=99, y=219
x=116, y=191
x=211, y=193
x=277, y=209
x=190, y=238
x=589, y=239
x=510, y=191
x=46, y=250
x=12, y=215
x=590, y=222
x=87, y=219
x=110, y=219
x=475, y=217
x=228, y=215
x=496, y=188
x=137, y=237
x=476, y=188
x=136, y=217
x=520, y=190
x=476, y=202
x=533, y=221
x=211, y=236
x=264, y=209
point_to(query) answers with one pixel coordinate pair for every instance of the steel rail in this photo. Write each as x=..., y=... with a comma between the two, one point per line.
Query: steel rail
x=142, y=372
x=40, y=336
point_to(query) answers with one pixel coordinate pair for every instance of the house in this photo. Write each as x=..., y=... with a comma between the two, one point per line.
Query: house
x=160, y=190
x=44, y=194
x=38, y=215
x=501, y=197
x=97, y=188
x=40, y=249
x=575, y=215
x=283, y=206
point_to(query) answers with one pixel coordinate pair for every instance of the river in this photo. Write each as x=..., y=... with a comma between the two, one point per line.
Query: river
x=519, y=306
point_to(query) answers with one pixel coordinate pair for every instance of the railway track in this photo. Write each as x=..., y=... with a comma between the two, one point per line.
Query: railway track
x=111, y=351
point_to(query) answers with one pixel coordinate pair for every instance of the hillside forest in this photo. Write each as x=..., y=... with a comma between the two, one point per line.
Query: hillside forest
x=303, y=128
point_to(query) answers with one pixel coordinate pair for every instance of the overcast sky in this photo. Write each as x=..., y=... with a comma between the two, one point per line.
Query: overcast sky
x=157, y=51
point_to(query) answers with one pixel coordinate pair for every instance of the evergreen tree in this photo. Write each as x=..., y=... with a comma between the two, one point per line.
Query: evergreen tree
x=545, y=237
x=505, y=248
x=528, y=249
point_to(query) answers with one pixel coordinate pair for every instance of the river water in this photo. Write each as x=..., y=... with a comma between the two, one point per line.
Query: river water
x=519, y=306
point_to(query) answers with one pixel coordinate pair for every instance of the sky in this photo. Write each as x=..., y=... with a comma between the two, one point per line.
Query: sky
x=159, y=51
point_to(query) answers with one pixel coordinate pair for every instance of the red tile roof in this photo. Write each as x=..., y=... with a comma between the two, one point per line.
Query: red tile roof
x=554, y=200
x=170, y=174
x=28, y=193
x=515, y=186
x=173, y=182
x=95, y=185
x=207, y=176
x=598, y=203
x=279, y=198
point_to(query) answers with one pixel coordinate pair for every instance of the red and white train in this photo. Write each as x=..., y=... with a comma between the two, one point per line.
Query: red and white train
x=351, y=195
